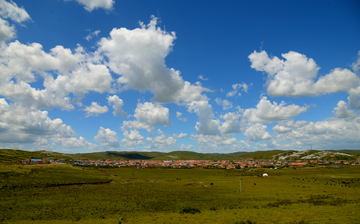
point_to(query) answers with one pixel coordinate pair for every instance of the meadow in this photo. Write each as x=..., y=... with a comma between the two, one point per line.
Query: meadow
x=70, y=194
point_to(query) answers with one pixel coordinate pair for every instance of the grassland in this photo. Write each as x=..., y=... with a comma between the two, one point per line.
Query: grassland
x=65, y=194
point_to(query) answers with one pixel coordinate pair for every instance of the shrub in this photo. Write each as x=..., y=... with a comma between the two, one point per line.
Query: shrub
x=189, y=210
x=245, y=222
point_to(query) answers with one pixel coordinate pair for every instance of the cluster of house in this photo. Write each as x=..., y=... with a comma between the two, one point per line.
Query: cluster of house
x=225, y=164
x=41, y=161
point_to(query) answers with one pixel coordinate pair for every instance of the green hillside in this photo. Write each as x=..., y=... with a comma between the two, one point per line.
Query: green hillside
x=176, y=155
x=11, y=156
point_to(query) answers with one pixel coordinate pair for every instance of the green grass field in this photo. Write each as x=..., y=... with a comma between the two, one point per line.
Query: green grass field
x=65, y=194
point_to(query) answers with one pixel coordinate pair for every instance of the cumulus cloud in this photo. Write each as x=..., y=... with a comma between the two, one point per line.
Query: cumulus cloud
x=225, y=103
x=356, y=65
x=182, y=146
x=117, y=105
x=12, y=11
x=231, y=124
x=19, y=125
x=342, y=111
x=267, y=112
x=6, y=31
x=296, y=75
x=209, y=125
x=216, y=142
x=181, y=135
x=77, y=73
x=90, y=5
x=206, y=124
x=138, y=56
x=237, y=87
x=336, y=133
x=74, y=143
x=130, y=144
x=148, y=115
x=257, y=132
x=288, y=125
x=161, y=141
x=95, y=109
x=107, y=138
x=133, y=135
x=354, y=98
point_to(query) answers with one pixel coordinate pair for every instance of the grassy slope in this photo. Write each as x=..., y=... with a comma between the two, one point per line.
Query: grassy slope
x=177, y=155
x=15, y=156
x=308, y=195
x=10, y=156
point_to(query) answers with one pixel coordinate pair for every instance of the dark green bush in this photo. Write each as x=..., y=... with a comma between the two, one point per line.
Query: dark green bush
x=189, y=210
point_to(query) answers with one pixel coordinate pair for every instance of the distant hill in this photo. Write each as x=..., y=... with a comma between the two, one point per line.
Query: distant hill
x=11, y=156
x=176, y=155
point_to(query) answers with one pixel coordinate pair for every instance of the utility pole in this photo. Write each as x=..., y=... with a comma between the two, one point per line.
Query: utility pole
x=133, y=179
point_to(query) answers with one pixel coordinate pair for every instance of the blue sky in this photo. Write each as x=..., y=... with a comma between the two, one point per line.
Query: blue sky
x=108, y=75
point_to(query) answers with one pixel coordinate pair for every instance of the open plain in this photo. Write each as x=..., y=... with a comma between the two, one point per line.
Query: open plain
x=73, y=194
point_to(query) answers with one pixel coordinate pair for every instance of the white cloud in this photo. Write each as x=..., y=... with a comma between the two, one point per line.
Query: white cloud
x=281, y=129
x=342, y=111
x=329, y=134
x=183, y=119
x=74, y=143
x=95, y=109
x=6, y=31
x=77, y=73
x=238, y=87
x=356, y=65
x=92, y=34
x=107, y=138
x=181, y=135
x=267, y=112
x=257, y=132
x=206, y=124
x=117, y=104
x=295, y=76
x=231, y=124
x=132, y=145
x=288, y=125
x=161, y=141
x=225, y=103
x=138, y=56
x=219, y=143
x=354, y=98
x=178, y=115
x=134, y=135
x=202, y=78
x=19, y=125
x=148, y=115
x=12, y=11
x=90, y=5
x=189, y=147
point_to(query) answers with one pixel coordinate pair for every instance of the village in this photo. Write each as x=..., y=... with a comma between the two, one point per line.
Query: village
x=221, y=164
x=293, y=159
